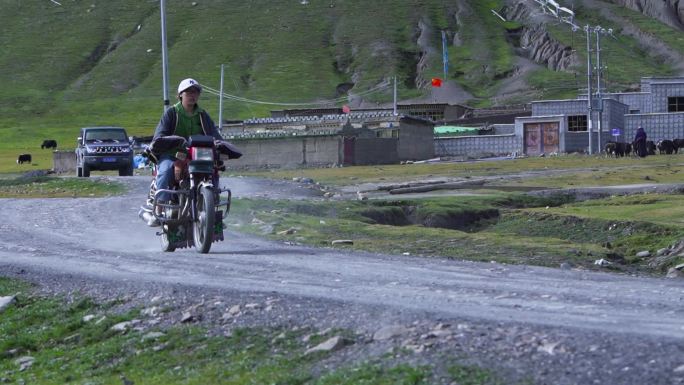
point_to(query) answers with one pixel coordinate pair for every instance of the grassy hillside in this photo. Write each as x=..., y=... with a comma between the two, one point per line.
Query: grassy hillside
x=99, y=62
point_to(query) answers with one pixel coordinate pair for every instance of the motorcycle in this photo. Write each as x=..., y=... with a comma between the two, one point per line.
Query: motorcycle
x=194, y=214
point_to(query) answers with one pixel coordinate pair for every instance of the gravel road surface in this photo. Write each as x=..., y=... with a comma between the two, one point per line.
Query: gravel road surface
x=550, y=326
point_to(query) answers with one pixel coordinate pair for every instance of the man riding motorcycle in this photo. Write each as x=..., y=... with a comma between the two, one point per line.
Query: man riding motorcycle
x=184, y=118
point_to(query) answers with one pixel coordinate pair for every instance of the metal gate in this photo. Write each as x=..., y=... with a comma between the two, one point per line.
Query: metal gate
x=541, y=138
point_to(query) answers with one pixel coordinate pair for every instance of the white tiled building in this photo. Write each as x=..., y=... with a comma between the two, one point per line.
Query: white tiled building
x=562, y=125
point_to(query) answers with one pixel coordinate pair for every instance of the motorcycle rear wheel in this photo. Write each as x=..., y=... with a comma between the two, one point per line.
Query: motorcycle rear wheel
x=203, y=227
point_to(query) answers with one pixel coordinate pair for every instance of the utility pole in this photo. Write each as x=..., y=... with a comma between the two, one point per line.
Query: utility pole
x=220, y=114
x=599, y=101
x=395, y=96
x=445, y=56
x=589, y=107
x=567, y=16
x=165, y=59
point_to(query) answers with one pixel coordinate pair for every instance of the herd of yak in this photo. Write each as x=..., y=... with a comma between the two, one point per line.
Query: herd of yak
x=664, y=146
x=613, y=149
x=26, y=158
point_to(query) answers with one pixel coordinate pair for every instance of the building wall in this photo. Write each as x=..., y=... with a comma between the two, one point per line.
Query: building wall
x=503, y=129
x=637, y=101
x=559, y=107
x=64, y=161
x=522, y=121
x=416, y=140
x=375, y=151
x=661, y=91
x=657, y=126
x=477, y=145
x=579, y=141
x=453, y=112
x=284, y=152
x=614, y=117
x=645, y=85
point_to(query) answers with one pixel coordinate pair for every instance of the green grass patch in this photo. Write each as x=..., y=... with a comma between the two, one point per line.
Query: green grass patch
x=67, y=349
x=472, y=375
x=54, y=187
x=504, y=227
x=568, y=171
x=108, y=58
x=485, y=57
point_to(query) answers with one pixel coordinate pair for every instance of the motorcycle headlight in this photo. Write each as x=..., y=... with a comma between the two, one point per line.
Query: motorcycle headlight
x=203, y=153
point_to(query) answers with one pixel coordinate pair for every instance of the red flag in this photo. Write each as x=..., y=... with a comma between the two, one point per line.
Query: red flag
x=346, y=109
x=436, y=82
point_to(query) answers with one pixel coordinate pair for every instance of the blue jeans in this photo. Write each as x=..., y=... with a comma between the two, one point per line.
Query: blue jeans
x=164, y=176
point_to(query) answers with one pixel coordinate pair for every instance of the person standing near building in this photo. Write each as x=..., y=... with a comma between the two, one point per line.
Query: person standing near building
x=639, y=143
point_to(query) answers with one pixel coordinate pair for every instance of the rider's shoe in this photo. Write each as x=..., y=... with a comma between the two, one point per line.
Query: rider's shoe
x=154, y=221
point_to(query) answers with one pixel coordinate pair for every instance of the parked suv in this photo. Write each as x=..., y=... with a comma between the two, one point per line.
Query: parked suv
x=103, y=148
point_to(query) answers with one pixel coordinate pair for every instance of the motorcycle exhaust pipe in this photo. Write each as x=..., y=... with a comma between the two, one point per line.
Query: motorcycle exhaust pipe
x=147, y=216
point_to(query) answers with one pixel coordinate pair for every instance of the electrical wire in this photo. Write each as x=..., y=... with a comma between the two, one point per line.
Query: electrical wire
x=216, y=92
x=325, y=102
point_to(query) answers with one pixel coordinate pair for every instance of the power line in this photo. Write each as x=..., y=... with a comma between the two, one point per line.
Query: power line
x=321, y=103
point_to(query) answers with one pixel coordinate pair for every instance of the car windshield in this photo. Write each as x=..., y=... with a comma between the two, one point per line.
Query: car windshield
x=106, y=136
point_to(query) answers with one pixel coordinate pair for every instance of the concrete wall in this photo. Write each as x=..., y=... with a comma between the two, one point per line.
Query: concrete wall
x=64, y=161
x=287, y=151
x=579, y=141
x=657, y=126
x=369, y=151
x=477, y=145
x=637, y=101
x=660, y=92
x=559, y=107
x=416, y=140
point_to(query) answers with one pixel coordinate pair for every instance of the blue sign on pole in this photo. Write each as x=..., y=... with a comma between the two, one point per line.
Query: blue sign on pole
x=615, y=132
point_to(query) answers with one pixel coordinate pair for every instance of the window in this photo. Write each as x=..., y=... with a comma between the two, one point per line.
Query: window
x=675, y=104
x=385, y=133
x=577, y=123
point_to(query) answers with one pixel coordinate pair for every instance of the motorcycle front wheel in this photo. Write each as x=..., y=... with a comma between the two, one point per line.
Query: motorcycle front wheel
x=203, y=227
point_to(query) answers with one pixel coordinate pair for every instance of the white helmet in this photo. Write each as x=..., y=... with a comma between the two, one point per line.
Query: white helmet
x=187, y=83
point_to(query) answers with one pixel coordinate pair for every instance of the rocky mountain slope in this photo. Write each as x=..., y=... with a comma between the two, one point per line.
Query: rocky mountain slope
x=80, y=58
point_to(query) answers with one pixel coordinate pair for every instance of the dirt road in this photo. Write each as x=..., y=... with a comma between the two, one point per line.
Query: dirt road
x=581, y=327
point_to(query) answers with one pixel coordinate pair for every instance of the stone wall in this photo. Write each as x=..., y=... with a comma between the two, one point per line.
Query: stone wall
x=286, y=152
x=477, y=145
x=64, y=161
x=368, y=151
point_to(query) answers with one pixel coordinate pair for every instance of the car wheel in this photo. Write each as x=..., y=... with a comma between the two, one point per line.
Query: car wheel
x=79, y=172
x=86, y=171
